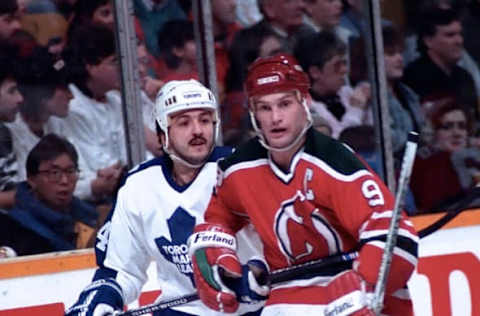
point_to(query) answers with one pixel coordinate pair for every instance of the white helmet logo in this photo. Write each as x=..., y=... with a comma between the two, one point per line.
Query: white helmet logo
x=192, y=95
x=269, y=79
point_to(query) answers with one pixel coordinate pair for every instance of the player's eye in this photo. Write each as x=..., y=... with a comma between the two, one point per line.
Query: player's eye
x=206, y=120
x=263, y=107
x=285, y=103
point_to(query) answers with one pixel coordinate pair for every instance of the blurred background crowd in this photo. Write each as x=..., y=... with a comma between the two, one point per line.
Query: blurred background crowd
x=62, y=140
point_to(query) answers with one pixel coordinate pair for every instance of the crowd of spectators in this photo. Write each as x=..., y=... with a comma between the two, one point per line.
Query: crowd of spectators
x=62, y=140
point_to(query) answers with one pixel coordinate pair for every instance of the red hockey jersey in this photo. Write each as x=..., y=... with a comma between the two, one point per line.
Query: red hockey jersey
x=328, y=202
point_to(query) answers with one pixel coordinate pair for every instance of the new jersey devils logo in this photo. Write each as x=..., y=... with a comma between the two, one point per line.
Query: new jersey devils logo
x=302, y=232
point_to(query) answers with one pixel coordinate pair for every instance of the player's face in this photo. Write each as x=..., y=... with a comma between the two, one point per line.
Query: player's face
x=191, y=134
x=452, y=134
x=281, y=117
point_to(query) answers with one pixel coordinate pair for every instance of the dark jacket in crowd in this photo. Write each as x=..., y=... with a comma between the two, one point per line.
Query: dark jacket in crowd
x=431, y=83
x=45, y=229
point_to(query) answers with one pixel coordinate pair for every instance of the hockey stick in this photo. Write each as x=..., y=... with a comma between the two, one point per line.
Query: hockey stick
x=407, y=164
x=159, y=306
x=460, y=207
x=276, y=277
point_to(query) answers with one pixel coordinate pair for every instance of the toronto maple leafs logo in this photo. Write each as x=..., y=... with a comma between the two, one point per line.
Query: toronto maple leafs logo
x=180, y=225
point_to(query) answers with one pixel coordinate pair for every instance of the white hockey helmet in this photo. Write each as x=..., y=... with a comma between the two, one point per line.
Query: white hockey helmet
x=180, y=95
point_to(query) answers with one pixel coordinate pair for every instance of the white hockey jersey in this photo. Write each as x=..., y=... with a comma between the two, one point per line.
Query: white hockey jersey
x=151, y=220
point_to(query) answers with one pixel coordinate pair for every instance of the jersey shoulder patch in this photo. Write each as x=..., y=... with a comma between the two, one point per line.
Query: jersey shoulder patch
x=249, y=151
x=334, y=153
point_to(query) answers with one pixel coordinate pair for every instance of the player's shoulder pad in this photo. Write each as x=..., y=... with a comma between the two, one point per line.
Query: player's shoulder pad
x=334, y=153
x=220, y=152
x=249, y=151
x=157, y=161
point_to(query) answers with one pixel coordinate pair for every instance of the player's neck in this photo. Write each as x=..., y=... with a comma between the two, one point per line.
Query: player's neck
x=283, y=158
x=182, y=174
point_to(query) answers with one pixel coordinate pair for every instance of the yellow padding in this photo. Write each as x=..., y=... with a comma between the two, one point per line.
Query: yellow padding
x=47, y=263
x=465, y=218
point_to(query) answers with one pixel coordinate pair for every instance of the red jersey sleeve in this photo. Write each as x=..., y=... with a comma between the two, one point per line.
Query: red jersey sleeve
x=364, y=206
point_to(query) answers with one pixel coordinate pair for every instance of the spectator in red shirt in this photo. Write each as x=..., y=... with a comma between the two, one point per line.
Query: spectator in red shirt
x=435, y=183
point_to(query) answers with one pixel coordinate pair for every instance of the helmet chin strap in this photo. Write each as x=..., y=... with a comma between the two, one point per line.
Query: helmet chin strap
x=263, y=141
x=175, y=157
x=183, y=161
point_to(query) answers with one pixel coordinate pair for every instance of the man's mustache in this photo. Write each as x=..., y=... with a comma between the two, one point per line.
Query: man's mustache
x=197, y=141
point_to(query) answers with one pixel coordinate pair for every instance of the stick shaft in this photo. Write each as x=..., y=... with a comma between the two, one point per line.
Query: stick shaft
x=278, y=276
x=407, y=164
x=160, y=305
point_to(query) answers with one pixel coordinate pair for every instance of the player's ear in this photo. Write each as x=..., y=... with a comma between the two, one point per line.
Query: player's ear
x=161, y=138
x=160, y=134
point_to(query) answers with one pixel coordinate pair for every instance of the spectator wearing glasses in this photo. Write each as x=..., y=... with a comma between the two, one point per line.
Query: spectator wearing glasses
x=435, y=182
x=45, y=205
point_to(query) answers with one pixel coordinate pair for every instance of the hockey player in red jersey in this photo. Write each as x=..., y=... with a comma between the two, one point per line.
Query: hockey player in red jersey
x=309, y=197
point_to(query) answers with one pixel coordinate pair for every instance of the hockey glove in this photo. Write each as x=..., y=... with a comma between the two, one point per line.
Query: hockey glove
x=101, y=298
x=349, y=294
x=212, y=251
x=252, y=287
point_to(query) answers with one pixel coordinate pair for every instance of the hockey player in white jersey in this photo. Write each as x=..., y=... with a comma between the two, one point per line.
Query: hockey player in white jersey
x=157, y=207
